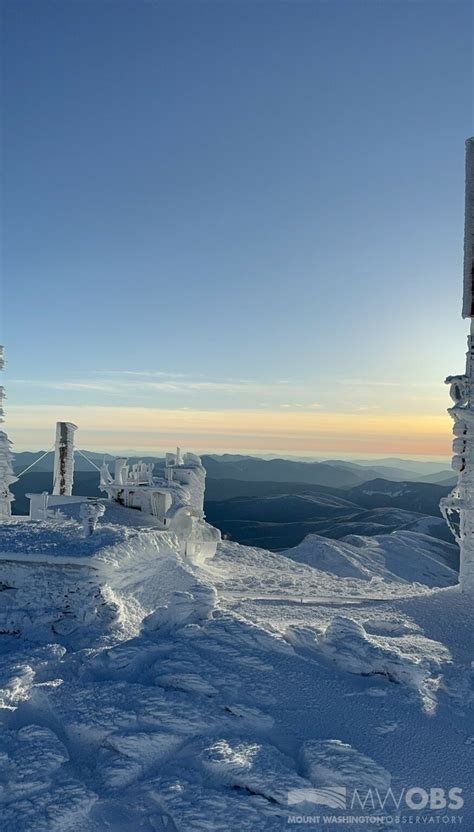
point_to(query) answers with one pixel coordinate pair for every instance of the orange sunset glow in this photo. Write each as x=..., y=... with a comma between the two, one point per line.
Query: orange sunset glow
x=108, y=428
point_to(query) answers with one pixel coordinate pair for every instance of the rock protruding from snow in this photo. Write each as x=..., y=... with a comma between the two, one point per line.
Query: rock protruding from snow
x=257, y=767
x=184, y=608
x=334, y=763
x=346, y=642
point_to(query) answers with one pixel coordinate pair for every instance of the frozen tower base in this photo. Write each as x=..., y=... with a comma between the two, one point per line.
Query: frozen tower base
x=458, y=507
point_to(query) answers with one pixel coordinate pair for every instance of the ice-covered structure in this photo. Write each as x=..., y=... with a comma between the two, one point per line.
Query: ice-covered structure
x=172, y=502
x=458, y=507
x=69, y=567
x=7, y=476
x=175, y=500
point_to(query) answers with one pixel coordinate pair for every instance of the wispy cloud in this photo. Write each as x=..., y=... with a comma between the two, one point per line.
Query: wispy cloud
x=177, y=391
x=101, y=387
x=174, y=375
x=142, y=373
x=370, y=382
x=134, y=383
x=301, y=406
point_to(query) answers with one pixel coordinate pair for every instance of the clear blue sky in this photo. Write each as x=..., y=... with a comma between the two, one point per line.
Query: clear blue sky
x=233, y=205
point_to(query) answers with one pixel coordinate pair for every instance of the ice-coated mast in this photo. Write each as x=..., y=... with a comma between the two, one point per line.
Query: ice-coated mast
x=7, y=477
x=458, y=507
x=63, y=479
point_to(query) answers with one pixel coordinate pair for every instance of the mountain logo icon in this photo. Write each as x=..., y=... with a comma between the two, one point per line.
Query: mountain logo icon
x=334, y=797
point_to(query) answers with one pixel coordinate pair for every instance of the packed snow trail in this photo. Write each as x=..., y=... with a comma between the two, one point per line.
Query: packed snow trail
x=304, y=599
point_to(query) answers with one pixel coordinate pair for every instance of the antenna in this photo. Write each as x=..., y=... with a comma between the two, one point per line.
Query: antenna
x=468, y=296
x=2, y=389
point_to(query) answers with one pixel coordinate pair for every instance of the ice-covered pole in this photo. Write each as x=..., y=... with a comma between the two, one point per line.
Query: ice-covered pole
x=7, y=477
x=64, y=458
x=458, y=507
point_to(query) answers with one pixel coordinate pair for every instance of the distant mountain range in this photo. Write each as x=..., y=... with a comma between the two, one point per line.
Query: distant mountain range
x=280, y=520
x=336, y=473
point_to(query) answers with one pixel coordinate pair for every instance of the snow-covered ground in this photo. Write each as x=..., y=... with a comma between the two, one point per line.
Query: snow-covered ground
x=255, y=692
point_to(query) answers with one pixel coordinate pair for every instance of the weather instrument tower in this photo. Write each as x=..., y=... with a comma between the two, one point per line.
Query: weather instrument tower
x=458, y=507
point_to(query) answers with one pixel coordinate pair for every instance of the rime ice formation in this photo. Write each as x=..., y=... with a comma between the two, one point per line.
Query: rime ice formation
x=90, y=513
x=142, y=691
x=7, y=477
x=59, y=584
x=458, y=507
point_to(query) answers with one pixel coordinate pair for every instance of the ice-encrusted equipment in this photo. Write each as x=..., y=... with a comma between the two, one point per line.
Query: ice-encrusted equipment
x=458, y=507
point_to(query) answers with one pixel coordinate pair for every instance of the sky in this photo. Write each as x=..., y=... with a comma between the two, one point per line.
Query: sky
x=234, y=225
